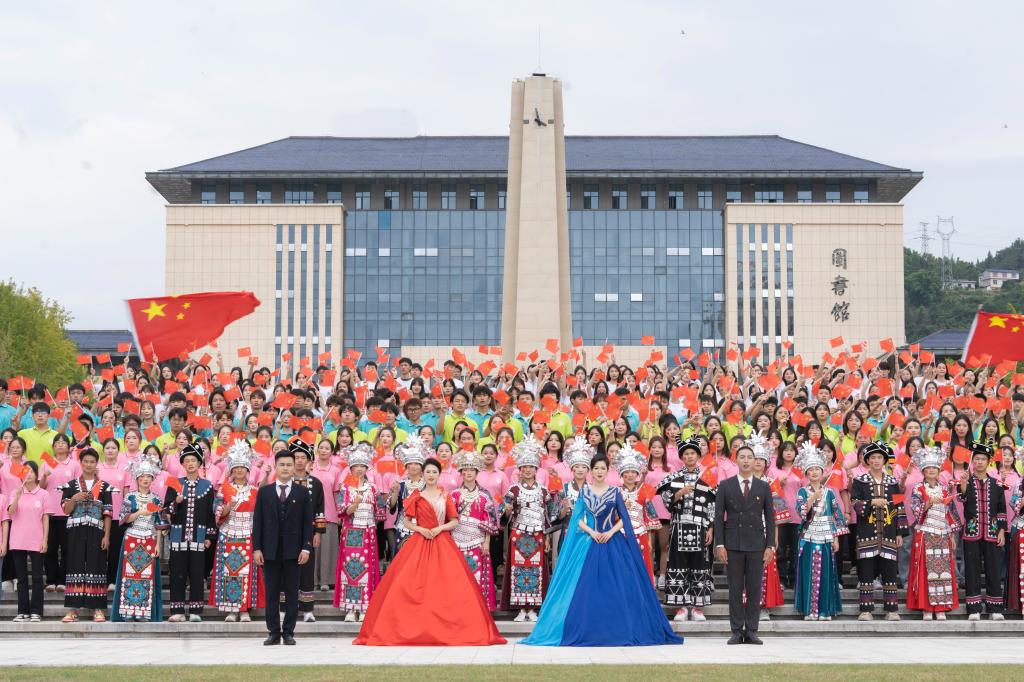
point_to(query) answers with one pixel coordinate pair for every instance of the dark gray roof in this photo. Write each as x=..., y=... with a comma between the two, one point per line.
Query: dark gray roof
x=722, y=157
x=744, y=153
x=99, y=340
x=945, y=340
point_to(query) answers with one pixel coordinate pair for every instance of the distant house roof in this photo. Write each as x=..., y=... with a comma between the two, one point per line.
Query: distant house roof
x=945, y=341
x=94, y=341
x=747, y=155
x=1000, y=270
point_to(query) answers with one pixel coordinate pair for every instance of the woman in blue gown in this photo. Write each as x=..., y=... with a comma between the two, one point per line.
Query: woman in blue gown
x=601, y=593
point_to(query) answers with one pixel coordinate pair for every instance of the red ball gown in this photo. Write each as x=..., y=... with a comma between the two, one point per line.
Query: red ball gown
x=428, y=596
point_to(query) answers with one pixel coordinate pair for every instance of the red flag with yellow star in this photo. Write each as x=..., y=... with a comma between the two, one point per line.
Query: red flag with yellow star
x=995, y=337
x=166, y=326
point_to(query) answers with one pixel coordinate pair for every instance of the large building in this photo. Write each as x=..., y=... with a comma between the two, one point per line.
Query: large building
x=420, y=244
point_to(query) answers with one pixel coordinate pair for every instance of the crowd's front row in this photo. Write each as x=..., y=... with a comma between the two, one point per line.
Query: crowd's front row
x=439, y=587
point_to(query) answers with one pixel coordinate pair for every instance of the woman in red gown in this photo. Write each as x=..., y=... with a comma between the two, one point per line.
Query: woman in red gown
x=428, y=596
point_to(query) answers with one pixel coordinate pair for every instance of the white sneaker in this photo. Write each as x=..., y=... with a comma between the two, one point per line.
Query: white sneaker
x=177, y=618
x=36, y=618
x=681, y=615
x=231, y=618
x=360, y=616
x=697, y=615
x=350, y=617
x=308, y=617
x=520, y=617
x=865, y=615
x=20, y=618
x=941, y=615
x=892, y=615
x=325, y=588
x=996, y=616
x=110, y=588
x=531, y=616
x=765, y=616
x=245, y=617
x=825, y=618
x=195, y=618
x=927, y=615
x=661, y=581
x=810, y=617
x=974, y=616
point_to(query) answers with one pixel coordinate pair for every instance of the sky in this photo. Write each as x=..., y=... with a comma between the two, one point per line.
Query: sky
x=93, y=95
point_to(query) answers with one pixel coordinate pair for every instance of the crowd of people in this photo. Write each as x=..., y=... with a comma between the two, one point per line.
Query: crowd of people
x=901, y=469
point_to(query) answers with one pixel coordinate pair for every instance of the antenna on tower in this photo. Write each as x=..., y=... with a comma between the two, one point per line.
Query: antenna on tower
x=946, y=229
x=924, y=236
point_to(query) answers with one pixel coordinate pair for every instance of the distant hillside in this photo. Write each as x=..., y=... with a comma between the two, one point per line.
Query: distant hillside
x=929, y=308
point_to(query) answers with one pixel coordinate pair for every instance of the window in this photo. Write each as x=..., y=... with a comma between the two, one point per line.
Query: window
x=803, y=194
x=501, y=198
x=636, y=298
x=362, y=197
x=477, y=199
x=568, y=199
x=832, y=194
x=419, y=197
x=355, y=252
x=733, y=194
x=590, y=197
x=448, y=197
x=620, y=201
x=605, y=298
x=648, y=195
x=704, y=196
x=209, y=194
x=333, y=194
x=677, y=251
x=767, y=194
x=263, y=193
x=860, y=194
x=432, y=251
x=391, y=200
x=236, y=193
x=676, y=198
x=298, y=193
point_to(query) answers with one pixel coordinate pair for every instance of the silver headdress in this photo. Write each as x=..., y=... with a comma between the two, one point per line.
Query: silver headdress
x=809, y=457
x=929, y=457
x=413, y=451
x=759, y=444
x=578, y=451
x=240, y=455
x=628, y=459
x=528, y=452
x=145, y=466
x=469, y=459
x=360, y=454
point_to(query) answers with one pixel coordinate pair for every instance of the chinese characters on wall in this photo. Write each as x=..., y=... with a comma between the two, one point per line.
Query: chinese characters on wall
x=841, y=308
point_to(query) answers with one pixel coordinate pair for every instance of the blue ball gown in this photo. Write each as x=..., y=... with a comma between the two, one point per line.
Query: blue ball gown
x=601, y=595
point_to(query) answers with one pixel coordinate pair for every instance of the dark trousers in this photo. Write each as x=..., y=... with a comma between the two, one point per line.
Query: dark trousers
x=886, y=570
x=57, y=549
x=744, y=571
x=117, y=532
x=22, y=558
x=187, y=567
x=978, y=553
x=280, y=575
x=307, y=597
x=785, y=560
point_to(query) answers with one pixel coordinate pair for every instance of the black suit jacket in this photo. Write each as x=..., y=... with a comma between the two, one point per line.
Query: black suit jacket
x=282, y=540
x=744, y=525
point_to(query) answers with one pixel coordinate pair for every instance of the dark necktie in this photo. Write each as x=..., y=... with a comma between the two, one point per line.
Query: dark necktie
x=746, y=488
x=284, y=494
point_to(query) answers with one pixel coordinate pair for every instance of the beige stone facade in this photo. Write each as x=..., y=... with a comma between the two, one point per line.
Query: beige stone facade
x=536, y=301
x=236, y=248
x=838, y=266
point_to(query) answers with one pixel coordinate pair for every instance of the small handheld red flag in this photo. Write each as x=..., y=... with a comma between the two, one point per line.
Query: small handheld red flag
x=174, y=484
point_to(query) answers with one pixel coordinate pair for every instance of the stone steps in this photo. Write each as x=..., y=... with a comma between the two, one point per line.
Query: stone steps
x=845, y=627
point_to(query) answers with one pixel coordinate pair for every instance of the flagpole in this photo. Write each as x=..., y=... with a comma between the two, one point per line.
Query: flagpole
x=970, y=335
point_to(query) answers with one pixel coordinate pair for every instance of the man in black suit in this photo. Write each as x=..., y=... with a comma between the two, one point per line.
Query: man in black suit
x=282, y=540
x=744, y=540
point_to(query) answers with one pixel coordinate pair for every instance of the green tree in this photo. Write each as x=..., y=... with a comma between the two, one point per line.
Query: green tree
x=32, y=338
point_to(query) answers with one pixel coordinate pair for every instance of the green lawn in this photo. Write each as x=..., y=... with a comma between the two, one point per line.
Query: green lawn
x=563, y=673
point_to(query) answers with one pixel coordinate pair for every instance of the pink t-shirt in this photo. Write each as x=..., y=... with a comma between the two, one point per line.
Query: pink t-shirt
x=653, y=478
x=330, y=478
x=27, y=521
x=726, y=468
x=56, y=478
x=1011, y=483
x=495, y=482
x=8, y=483
x=790, y=487
x=118, y=478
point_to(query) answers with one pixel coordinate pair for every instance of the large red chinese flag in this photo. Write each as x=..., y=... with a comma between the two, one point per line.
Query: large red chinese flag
x=166, y=326
x=999, y=336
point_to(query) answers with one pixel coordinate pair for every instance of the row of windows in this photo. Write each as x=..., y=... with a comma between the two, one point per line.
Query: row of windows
x=303, y=193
